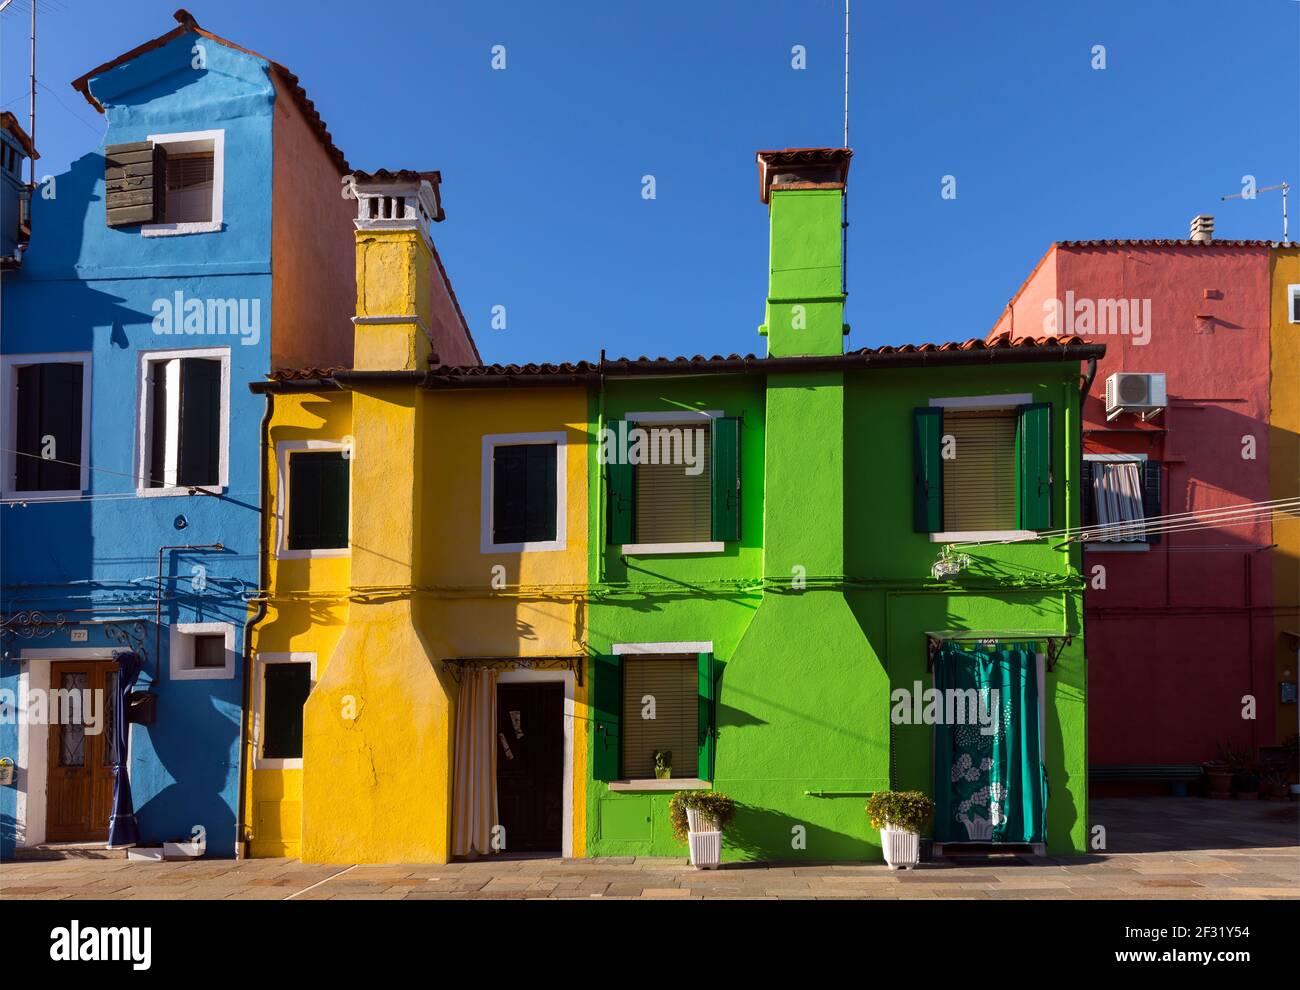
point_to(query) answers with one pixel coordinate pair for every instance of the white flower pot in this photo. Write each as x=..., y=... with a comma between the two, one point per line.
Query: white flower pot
x=706, y=849
x=902, y=849
x=696, y=822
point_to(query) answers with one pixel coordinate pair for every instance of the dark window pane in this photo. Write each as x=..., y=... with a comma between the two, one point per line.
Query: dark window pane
x=157, y=473
x=210, y=651
x=523, y=493
x=48, y=428
x=287, y=687
x=199, y=457
x=318, y=500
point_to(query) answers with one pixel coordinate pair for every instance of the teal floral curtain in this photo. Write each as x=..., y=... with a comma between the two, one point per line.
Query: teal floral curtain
x=990, y=783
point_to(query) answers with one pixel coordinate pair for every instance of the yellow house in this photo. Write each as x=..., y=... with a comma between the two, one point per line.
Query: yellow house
x=419, y=655
x=1284, y=471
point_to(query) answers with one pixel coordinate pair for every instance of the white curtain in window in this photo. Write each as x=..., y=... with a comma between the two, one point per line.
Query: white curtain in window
x=1117, y=494
x=474, y=788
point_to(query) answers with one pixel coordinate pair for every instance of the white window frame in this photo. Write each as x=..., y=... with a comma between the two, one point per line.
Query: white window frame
x=702, y=546
x=261, y=660
x=488, y=478
x=181, y=651
x=9, y=365
x=644, y=651
x=971, y=402
x=1292, y=291
x=144, y=423
x=1108, y=546
x=283, y=451
x=184, y=141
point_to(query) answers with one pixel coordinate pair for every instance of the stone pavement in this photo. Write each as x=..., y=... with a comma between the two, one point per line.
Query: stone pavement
x=1171, y=848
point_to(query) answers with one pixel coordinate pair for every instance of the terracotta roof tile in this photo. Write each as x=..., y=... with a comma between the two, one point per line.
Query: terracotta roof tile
x=1166, y=243
x=10, y=123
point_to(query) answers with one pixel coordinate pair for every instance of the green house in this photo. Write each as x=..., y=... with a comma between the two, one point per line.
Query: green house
x=799, y=561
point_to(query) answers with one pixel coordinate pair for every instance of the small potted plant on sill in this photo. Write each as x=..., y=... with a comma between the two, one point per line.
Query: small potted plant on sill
x=699, y=818
x=900, y=816
x=663, y=764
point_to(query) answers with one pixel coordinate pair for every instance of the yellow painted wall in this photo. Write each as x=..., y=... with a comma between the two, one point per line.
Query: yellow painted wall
x=307, y=611
x=1284, y=472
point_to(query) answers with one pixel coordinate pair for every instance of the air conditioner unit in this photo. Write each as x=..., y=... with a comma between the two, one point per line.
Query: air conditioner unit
x=1143, y=394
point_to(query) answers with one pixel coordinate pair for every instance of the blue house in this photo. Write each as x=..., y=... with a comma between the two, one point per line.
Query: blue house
x=204, y=244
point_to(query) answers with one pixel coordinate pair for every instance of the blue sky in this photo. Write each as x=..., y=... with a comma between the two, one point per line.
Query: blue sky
x=542, y=162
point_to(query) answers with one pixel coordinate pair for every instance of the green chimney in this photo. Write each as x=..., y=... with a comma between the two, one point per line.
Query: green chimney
x=804, y=190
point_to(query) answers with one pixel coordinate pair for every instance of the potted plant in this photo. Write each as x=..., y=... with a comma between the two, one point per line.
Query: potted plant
x=1274, y=784
x=1219, y=771
x=699, y=818
x=900, y=816
x=663, y=764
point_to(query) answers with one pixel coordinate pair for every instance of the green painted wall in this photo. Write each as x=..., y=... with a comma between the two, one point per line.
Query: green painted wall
x=804, y=694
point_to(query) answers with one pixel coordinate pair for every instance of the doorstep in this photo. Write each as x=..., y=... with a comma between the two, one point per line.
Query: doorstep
x=68, y=850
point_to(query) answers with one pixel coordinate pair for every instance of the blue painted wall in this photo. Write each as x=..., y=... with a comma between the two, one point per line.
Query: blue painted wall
x=87, y=287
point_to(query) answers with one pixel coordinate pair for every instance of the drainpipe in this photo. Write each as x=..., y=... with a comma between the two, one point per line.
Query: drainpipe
x=259, y=613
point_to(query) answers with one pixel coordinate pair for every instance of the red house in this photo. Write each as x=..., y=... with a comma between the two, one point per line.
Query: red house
x=1179, y=626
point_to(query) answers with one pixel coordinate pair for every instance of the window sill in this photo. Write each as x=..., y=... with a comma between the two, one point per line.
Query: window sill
x=1134, y=547
x=983, y=536
x=547, y=546
x=655, y=784
x=323, y=552
x=277, y=763
x=203, y=674
x=649, y=549
x=179, y=490
x=36, y=495
x=178, y=229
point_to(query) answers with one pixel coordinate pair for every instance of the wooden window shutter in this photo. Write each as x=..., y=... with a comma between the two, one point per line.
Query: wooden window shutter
x=673, y=684
x=286, y=688
x=1087, y=498
x=1034, y=436
x=927, y=469
x=606, y=707
x=134, y=177
x=48, y=404
x=523, y=492
x=199, y=457
x=1151, y=499
x=318, y=500
x=158, y=424
x=622, y=499
x=725, y=455
x=707, y=719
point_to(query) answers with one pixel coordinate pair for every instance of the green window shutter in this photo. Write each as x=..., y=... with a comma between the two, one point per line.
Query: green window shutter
x=606, y=707
x=1151, y=494
x=318, y=500
x=1087, y=500
x=622, y=498
x=707, y=718
x=726, y=478
x=48, y=405
x=134, y=176
x=1034, y=447
x=927, y=468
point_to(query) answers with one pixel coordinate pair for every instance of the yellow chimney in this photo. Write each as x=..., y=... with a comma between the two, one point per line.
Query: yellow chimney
x=394, y=260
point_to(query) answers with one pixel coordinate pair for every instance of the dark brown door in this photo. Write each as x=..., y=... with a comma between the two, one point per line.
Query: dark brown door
x=530, y=766
x=82, y=751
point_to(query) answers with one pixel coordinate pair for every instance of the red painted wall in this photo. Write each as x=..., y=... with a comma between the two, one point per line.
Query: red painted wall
x=1182, y=630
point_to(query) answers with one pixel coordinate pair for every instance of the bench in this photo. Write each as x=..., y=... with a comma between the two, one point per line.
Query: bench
x=1176, y=775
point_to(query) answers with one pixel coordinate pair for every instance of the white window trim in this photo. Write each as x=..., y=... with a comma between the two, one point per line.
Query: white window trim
x=261, y=762
x=1292, y=291
x=283, y=450
x=9, y=365
x=1107, y=546
x=984, y=402
x=652, y=549
x=145, y=420
x=524, y=676
x=218, y=139
x=644, y=650
x=487, y=479
x=181, y=651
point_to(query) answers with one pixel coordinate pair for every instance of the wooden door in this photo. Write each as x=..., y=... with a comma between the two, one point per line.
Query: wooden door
x=80, y=782
x=530, y=766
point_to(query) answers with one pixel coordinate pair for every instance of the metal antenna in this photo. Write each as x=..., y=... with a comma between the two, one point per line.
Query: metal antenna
x=1284, y=186
x=846, y=74
x=844, y=200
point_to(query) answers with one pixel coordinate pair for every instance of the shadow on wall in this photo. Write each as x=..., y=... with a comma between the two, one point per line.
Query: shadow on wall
x=762, y=834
